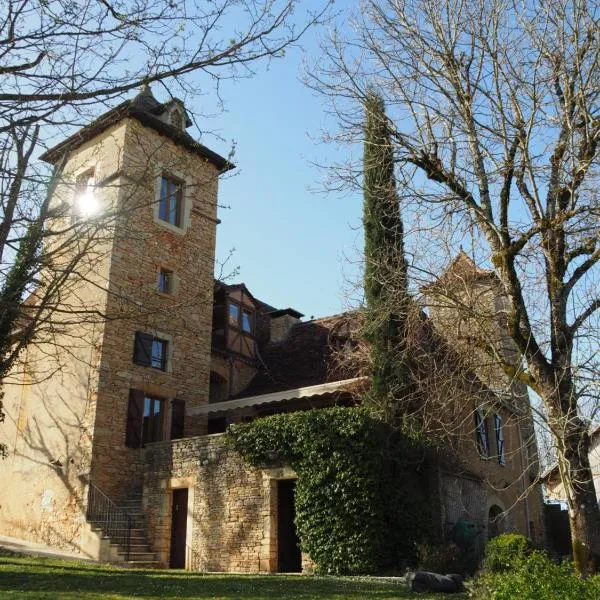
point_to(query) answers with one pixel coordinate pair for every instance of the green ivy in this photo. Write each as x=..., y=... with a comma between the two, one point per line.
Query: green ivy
x=361, y=501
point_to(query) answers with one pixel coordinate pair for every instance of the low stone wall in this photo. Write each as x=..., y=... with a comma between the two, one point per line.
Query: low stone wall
x=232, y=507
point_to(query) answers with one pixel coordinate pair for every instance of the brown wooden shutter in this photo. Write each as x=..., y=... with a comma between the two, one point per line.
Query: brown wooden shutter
x=135, y=416
x=142, y=352
x=177, y=418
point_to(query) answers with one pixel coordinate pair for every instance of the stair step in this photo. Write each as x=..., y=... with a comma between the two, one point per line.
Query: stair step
x=140, y=556
x=142, y=564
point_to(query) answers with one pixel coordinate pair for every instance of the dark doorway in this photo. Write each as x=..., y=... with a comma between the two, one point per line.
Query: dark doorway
x=289, y=559
x=495, y=522
x=178, y=529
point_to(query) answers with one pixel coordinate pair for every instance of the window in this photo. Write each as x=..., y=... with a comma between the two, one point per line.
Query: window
x=170, y=201
x=85, y=204
x=158, y=358
x=165, y=281
x=234, y=314
x=150, y=351
x=177, y=119
x=499, y=439
x=481, y=431
x=247, y=321
x=152, y=420
x=145, y=416
x=240, y=318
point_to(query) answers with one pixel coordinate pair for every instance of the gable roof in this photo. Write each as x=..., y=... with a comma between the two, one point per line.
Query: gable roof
x=461, y=271
x=147, y=110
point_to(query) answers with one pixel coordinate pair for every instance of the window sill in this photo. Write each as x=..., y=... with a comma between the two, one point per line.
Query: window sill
x=165, y=294
x=172, y=228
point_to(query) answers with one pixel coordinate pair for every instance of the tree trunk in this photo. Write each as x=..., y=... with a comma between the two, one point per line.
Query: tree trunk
x=584, y=513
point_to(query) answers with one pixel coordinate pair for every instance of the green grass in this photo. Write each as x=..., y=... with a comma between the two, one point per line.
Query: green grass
x=49, y=579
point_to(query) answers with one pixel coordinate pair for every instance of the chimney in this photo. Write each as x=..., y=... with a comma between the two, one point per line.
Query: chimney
x=282, y=322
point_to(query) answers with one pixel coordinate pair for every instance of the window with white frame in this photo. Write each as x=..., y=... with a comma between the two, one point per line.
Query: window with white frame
x=170, y=203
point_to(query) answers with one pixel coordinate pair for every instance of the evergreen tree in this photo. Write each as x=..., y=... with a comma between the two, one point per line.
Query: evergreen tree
x=385, y=279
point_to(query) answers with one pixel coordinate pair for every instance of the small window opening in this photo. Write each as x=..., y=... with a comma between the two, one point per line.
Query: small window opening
x=165, y=281
x=150, y=351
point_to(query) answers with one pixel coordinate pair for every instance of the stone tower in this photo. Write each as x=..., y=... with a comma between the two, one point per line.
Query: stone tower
x=140, y=194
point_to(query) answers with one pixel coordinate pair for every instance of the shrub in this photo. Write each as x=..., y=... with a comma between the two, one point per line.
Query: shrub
x=446, y=558
x=536, y=577
x=506, y=552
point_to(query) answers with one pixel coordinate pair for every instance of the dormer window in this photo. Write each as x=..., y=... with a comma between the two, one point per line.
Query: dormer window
x=241, y=318
x=177, y=120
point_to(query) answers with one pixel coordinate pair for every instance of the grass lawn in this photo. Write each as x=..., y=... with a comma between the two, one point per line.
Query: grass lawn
x=49, y=579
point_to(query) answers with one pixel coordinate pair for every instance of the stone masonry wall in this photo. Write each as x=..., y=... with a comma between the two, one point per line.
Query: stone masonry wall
x=232, y=507
x=144, y=244
x=50, y=395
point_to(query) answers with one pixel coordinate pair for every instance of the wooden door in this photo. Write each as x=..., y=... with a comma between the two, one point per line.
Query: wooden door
x=178, y=529
x=289, y=559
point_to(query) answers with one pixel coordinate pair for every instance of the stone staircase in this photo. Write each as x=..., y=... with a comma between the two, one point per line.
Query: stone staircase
x=123, y=525
x=140, y=553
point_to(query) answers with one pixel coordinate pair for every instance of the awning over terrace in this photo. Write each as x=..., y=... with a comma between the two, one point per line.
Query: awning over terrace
x=321, y=389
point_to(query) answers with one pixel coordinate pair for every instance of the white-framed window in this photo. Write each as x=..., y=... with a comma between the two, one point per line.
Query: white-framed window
x=172, y=201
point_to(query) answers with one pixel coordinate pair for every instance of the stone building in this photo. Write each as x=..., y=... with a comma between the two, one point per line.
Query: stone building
x=116, y=441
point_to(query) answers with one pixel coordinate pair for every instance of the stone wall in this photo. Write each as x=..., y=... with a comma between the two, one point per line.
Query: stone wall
x=144, y=244
x=232, y=507
x=51, y=393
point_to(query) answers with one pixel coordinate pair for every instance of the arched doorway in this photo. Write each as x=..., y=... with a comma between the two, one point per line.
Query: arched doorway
x=496, y=523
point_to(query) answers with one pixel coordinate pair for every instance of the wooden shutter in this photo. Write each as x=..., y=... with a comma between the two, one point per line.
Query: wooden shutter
x=142, y=351
x=177, y=418
x=135, y=416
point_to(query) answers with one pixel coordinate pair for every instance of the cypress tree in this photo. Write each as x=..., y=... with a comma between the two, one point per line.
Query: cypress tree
x=385, y=277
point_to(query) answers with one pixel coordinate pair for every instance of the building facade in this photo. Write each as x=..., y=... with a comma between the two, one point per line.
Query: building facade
x=124, y=414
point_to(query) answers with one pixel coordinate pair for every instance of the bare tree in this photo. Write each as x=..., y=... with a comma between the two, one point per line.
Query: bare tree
x=495, y=113
x=62, y=62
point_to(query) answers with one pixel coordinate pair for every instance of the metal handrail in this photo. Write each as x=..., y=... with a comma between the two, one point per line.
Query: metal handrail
x=113, y=520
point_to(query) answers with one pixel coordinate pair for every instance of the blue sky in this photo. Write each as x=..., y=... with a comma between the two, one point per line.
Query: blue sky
x=294, y=247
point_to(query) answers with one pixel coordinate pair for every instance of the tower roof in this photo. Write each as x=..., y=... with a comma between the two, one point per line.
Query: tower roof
x=461, y=271
x=147, y=110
